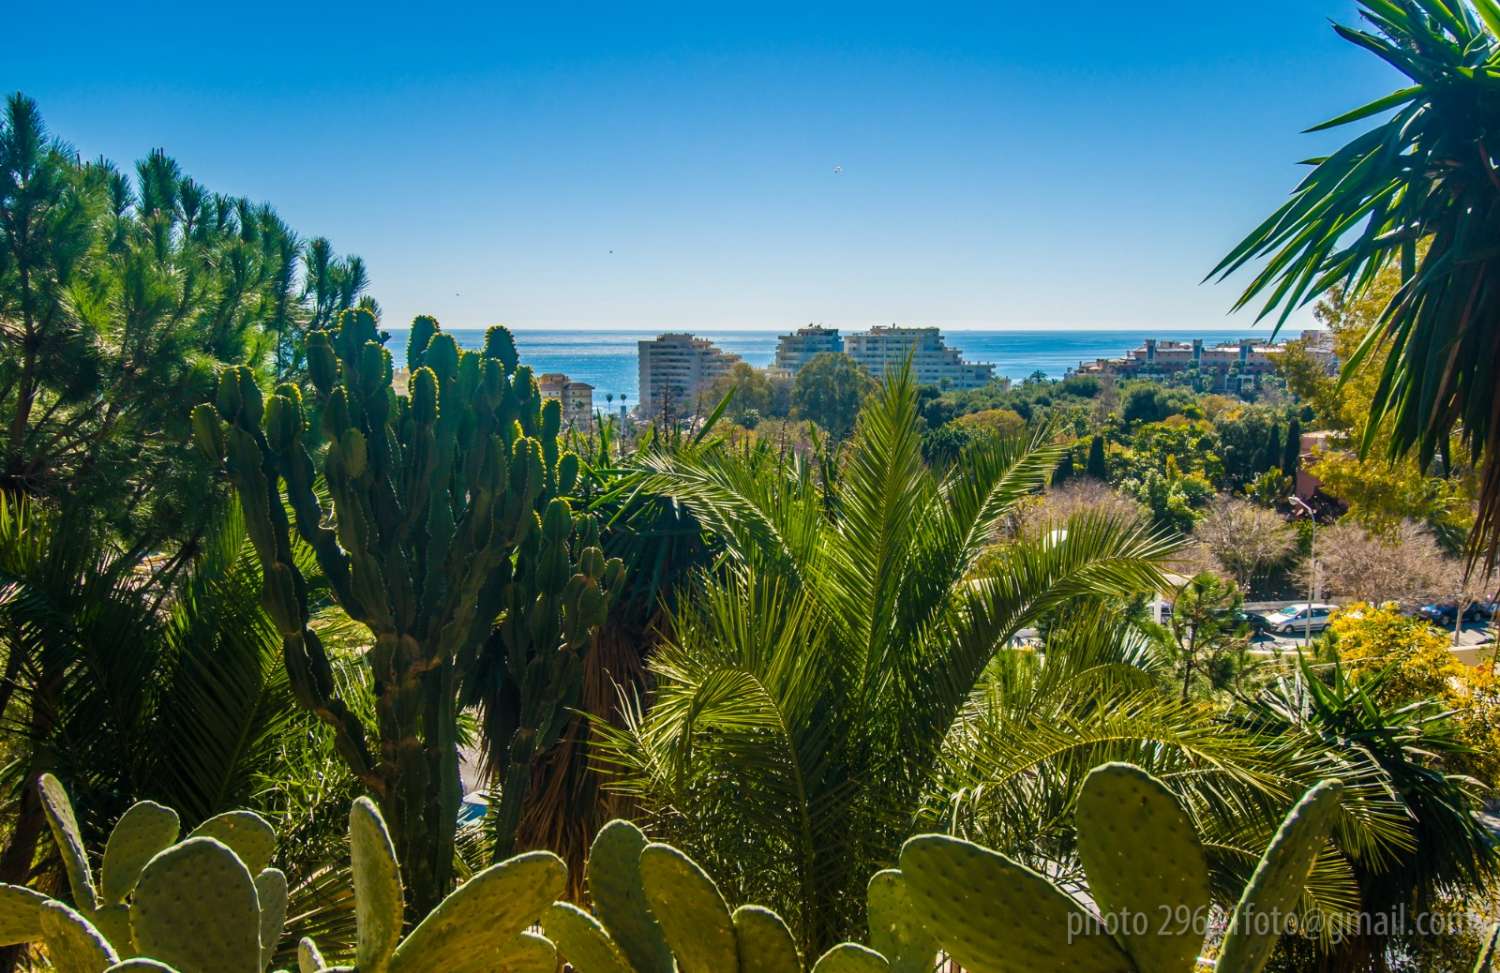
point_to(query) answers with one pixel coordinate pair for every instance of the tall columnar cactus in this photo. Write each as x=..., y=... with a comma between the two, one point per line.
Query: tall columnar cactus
x=448, y=515
x=1146, y=872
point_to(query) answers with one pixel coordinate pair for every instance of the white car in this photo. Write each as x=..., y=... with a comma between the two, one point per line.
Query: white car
x=1300, y=618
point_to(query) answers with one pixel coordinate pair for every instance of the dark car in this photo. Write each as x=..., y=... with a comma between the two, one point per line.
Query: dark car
x=1256, y=622
x=1445, y=613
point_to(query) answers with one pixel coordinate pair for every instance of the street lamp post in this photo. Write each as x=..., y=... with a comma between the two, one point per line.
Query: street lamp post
x=1302, y=509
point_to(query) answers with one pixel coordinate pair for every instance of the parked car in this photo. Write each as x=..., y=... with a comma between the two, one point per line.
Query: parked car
x=1445, y=613
x=1257, y=622
x=1301, y=617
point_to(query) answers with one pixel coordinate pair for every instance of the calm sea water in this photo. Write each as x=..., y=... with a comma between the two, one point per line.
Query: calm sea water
x=607, y=359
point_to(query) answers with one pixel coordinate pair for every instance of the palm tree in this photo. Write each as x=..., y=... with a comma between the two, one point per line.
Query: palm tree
x=1420, y=190
x=125, y=695
x=804, y=693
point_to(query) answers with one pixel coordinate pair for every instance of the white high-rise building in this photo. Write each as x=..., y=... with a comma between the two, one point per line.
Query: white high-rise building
x=676, y=370
x=886, y=348
x=801, y=346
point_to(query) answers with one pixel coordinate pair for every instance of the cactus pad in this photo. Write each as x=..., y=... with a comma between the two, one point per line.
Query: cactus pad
x=140, y=965
x=64, y=824
x=994, y=915
x=1145, y=866
x=693, y=915
x=20, y=915
x=483, y=914
x=309, y=959
x=271, y=892
x=246, y=833
x=377, y=887
x=1277, y=883
x=196, y=909
x=895, y=931
x=582, y=941
x=143, y=831
x=73, y=944
x=613, y=872
x=113, y=923
x=765, y=943
x=851, y=958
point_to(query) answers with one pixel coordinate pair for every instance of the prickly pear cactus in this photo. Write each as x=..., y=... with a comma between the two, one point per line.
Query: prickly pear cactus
x=448, y=515
x=656, y=911
x=1141, y=856
x=195, y=906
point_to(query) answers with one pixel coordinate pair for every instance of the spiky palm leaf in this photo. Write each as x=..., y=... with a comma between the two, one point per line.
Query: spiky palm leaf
x=804, y=694
x=1424, y=177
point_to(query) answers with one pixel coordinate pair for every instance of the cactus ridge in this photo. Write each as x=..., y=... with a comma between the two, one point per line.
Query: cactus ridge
x=613, y=874
x=271, y=895
x=245, y=833
x=484, y=914
x=64, y=824
x=583, y=940
x=895, y=931
x=145, y=829
x=1277, y=883
x=196, y=909
x=1143, y=858
x=378, y=902
x=994, y=915
x=20, y=915
x=692, y=913
x=851, y=958
x=764, y=941
x=73, y=944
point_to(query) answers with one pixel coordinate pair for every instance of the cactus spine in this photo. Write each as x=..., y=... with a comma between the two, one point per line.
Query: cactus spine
x=448, y=514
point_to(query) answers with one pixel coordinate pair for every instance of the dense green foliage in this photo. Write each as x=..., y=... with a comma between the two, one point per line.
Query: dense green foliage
x=119, y=297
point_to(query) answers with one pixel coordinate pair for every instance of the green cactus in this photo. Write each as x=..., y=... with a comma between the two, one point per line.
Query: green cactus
x=192, y=904
x=765, y=943
x=658, y=912
x=895, y=931
x=1277, y=882
x=1140, y=855
x=613, y=874
x=447, y=518
x=851, y=958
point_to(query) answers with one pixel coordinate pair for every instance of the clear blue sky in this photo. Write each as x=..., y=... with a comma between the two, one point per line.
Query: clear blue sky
x=644, y=166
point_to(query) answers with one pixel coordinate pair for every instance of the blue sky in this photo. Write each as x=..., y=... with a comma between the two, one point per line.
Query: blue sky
x=701, y=167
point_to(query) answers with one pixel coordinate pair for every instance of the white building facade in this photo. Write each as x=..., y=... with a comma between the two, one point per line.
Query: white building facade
x=675, y=371
x=886, y=349
x=801, y=346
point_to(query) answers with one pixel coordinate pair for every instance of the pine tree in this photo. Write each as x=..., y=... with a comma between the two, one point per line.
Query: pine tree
x=1271, y=459
x=1291, y=454
x=1097, y=467
x=1064, y=471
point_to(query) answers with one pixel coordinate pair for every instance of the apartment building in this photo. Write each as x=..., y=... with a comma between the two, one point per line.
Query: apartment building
x=577, y=399
x=1231, y=365
x=801, y=346
x=886, y=348
x=675, y=370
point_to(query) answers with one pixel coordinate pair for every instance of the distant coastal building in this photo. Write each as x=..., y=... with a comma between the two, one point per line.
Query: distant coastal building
x=675, y=369
x=577, y=399
x=798, y=348
x=886, y=348
x=1230, y=365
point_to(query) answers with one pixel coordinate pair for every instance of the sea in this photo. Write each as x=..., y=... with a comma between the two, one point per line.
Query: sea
x=607, y=359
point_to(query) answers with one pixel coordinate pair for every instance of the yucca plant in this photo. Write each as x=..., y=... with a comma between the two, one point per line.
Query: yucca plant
x=1420, y=190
